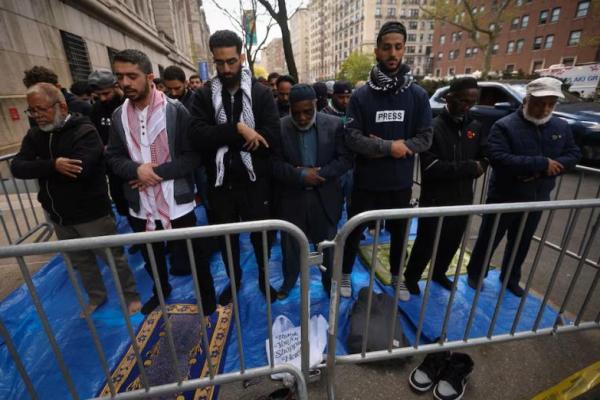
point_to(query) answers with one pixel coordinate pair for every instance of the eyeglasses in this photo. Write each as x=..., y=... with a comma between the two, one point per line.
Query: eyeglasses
x=230, y=61
x=32, y=112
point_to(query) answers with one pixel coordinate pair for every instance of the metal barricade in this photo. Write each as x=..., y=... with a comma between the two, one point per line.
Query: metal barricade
x=582, y=319
x=26, y=218
x=105, y=243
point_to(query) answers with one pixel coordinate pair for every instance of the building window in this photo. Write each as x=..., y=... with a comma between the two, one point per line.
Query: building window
x=442, y=39
x=568, y=61
x=450, y=71
x=555, y=14
x=111, y=55
x=77, y=56
x=510, y=68
x=391, y=12
x=378, y=24
x=519, y=45
x=582, y=9
x=543, y=17
x=378, y=2
x=377, y=11
x=414, y=13
x=437, y=72
x=468, y=70
x=413, y=25
x=524, y=21
x=410, y=49
x=574, y=38
x=495, y=48
x=549, y=41
x=510, y=47
x=537, y=42
x=515, y=23
x=440, y=55
x=411, y=37
x=468, y=52
x=538, y=64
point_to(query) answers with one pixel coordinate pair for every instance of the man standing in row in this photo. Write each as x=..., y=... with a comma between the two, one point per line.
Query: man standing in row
x=389, y=120
x=284, y=85
x=235, y=120
x=342, y=91
x=149, y=148
x=448, y=169
x=528, y=149
x=177, y=87
x=310, y=157
x=64, y=152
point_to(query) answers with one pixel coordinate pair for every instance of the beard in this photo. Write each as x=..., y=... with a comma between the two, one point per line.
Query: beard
x=536, y=121
x=57, y=123
x=232, y=80
x=137, y=96
x=307, y=126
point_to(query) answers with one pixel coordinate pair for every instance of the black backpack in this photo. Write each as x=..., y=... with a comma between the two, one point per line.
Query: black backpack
x=382, y=307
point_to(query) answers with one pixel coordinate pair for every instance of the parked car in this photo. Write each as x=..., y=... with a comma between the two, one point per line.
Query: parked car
x=498, y=99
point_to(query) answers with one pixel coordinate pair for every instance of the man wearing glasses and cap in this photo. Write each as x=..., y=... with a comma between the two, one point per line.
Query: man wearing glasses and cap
x=527, y=150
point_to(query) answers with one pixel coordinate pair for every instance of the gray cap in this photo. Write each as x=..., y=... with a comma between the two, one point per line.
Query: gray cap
x=102, y=79
x=545, y=86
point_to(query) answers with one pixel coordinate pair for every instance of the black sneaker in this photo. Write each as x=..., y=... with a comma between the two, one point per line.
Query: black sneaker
x=453, y=379
x=413, y=287
x=515, y=289
x=425, y=375
x=443, y=281
x=472, y=282
x=153, y=302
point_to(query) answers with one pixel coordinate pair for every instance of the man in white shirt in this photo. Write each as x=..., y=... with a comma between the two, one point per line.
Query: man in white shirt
x=149, y=149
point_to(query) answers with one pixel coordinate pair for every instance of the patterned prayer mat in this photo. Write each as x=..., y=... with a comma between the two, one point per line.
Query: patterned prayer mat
x=382, y=265
x=191, y=357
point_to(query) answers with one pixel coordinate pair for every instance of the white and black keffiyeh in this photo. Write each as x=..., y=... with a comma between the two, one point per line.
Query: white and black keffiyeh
x=247, y=117
x=382, y=82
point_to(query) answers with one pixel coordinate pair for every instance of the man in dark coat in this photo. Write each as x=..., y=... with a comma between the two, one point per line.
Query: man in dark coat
x=456, y=158
x=310, y=158
x=177, y=86
x=64, y=152
x=284, y=85
x=527, y=150
x=234, y=124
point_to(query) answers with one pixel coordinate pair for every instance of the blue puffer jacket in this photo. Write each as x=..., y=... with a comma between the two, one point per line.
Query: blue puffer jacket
x=519, y=152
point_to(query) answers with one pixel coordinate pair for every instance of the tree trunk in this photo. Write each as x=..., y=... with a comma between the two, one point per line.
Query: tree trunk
x=487, y=57
x=287, y=48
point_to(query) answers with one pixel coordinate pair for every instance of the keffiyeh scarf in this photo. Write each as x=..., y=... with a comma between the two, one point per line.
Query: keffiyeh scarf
x=247, y=117
x=382, y=82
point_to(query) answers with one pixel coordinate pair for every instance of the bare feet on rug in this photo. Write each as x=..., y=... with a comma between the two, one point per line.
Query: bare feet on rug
x=89, y=309
x=134, y=307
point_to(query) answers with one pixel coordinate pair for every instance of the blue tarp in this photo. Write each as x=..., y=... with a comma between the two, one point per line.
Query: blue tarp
x=58, y=298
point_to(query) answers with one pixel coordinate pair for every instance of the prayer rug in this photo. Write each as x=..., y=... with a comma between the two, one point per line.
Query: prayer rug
x=191, y=357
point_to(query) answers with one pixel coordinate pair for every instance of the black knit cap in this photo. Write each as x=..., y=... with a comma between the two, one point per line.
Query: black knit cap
x=391, y=27
x=301, y=92
x=320, y=89
x=464, y=83
x=342, y=87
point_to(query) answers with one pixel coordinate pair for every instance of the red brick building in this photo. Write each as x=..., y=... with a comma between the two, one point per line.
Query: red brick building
x=539, y=33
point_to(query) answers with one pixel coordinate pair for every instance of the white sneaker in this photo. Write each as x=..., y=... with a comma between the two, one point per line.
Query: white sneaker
x=346, y=286
x=404, y=293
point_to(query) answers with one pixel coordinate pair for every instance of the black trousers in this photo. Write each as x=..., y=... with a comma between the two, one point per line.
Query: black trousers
x=366, y=200
x=451, y=235
x=180, y=259
x=243, y=203
x=509, y=225
x=316, y=225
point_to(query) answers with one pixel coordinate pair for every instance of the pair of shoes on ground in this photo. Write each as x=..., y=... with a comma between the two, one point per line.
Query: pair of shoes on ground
x=447, y=373
x=153, y=302
x=512, y=287
x=404, y=291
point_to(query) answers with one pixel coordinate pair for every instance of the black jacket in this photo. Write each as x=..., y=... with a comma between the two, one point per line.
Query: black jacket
x=68, y=201
x=101, y=116
x=207, y=136
x=449, y=167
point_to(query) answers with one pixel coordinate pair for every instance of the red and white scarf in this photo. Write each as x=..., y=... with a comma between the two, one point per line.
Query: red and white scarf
x=153, y=147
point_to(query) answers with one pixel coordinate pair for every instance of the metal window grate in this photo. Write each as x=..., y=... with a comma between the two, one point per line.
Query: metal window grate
x=77, y=55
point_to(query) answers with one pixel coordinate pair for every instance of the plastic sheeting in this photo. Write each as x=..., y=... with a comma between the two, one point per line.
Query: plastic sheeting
x=58, y=298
